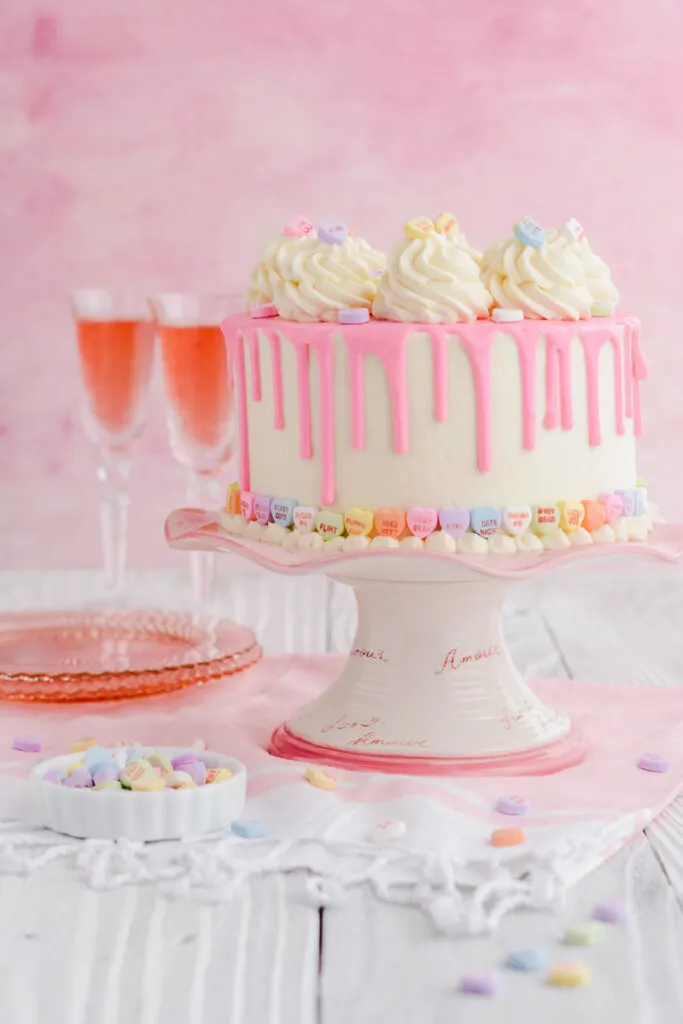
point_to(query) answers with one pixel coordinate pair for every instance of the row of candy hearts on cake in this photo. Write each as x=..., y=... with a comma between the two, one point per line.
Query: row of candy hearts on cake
x=421, y=522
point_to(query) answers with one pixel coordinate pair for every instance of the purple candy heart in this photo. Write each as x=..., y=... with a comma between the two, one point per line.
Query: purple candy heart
x=629, y=501
x=454, y=520
x=198, y=772
x=485, y=984
x=333, y=233
x=485, y=520
x=52, y=775
x=262, y=504
x=182, y=761
x=79, y=779
x=106, y=774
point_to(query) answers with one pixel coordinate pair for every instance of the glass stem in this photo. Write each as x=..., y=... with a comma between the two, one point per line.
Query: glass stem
x=203, y=491
x=113, y=473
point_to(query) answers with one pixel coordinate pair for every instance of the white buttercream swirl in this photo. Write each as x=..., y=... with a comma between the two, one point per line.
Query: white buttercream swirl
x=260, y=287
x=432, y=280
x=313, y=280
x=547, y=283
x=597, y=275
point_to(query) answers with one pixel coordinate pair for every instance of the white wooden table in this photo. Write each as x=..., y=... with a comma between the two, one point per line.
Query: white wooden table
x=69, y=954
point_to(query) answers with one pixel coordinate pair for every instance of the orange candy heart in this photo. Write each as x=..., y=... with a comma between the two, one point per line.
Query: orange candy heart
x=390, y=522
x=595, y=516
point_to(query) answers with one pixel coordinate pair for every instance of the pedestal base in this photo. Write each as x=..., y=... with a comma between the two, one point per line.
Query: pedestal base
x=430, y=687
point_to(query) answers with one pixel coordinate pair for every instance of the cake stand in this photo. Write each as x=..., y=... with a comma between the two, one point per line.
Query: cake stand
x=429, y=686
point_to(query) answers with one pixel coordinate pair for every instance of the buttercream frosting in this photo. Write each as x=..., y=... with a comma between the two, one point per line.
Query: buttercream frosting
x=596, y=273
x=260, y=287
x=546, y=283
x=432, y=279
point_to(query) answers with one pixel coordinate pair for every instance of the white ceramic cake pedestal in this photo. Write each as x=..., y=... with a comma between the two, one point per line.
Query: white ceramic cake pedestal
x=429, y=687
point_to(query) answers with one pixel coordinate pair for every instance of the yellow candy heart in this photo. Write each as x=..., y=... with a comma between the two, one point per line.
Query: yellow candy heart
x=445, y=223
x=79, y=745
x=320, y=779
x=141, y=777
x=329, y=524
x=545, y=518
x=217, y=775
x=358, y=522
x=571, y=515
x=569, y=974
x=232, y=500
x=418, y=227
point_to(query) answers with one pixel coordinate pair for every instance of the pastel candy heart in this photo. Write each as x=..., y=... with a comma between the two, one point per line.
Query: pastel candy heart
x=304, y=518
x=298, y=227
x=262, y=503
x=389, y=830
x=641, y=501
x=390, y=522
x=572, y=230
x=140, y=776
x=422, y=521
x=329, y=524
x=159, y=760
x=614, y=506
x=571, y=515
x=528, y=232
x=105, y=775
x=333, y=233
x=418, y=227
x=454, y=521
x=358, y=522
x=516, y=519
x=595, y=516
x=629, y=500
x=445, y=223
x=282, y=511
x=247, y=505
x=485, y=520
x=217, y=775
x=95, y=755
x=233, y=503
x=545, y=518
x=320, y=779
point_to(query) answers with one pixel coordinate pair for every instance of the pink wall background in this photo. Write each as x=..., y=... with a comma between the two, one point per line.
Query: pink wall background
x=159, y=143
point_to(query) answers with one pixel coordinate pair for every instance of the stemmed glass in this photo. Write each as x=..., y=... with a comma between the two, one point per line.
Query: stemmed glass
x=200, y=404
x=116, y=349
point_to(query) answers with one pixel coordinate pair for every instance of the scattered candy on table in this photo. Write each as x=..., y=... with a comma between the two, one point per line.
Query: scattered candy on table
x=586, y=934
x=388, y=831
x=485, y=984
x=512, y=805
x=248, y=828
x=571, y=975
x=527, y=960
x=320, y=779
x=78, y=746
x=27, y=744
x=507, y=837
x=653, y=763
x=610, y=912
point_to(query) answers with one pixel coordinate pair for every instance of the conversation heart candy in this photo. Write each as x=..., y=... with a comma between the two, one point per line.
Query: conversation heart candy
x=329, y=524
x=104, y=774
x=602, y=309
x=247, y=505
x=570, y=975
x=108, y=784
x=233, y=503
x=140, y=776
x=545, y=518
x=53, y=776
x=358, y=522
x=390, y=522
x=354, y=316
x=572, y=230
x=95, y=755
x=628, y=498
x=387, y=831
x=217, y=775
x=418, y=227
x=595, y=516
x=485, y=520
x=185, y=758
x=640, y=501
x=516, y=519
x=528, y=232
x=263, y=312
x=320, y=779
x=422, y=521
x=445, y=223
x=157, y=759
x=262, y=503
x=571, y=515
x=78, y=745
x=454, y=521
x=334, y=233
x=198, y=772
x=614, y=506
x=282, y=511
x=178, y=780
x=298, y=227
x=79, y=779
x=502, y=315
x=304, y=518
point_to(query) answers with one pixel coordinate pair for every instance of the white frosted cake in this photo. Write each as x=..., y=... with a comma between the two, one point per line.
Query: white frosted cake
x=438, y=398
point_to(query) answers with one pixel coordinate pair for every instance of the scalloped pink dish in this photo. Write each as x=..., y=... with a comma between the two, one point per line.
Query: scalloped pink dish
x=84, y=655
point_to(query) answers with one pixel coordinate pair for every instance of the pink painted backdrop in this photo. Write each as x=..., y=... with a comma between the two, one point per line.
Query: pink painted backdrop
x=159, y=143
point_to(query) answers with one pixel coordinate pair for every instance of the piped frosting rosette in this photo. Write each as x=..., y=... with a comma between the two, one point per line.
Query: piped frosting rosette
x=267, y=270
x=597, y=275
x=432, y=276
x=528, y=272
x=324, y=273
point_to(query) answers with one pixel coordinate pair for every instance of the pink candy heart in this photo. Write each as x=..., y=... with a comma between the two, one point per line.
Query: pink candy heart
x=298, y=227
x=422, y=521
x=614, y=506
x=454, y=520
x=262, y=505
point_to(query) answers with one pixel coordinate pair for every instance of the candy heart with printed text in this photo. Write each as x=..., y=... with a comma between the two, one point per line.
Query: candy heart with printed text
x=485, y=520
x=517, y=519
x=422, y=521
x=454, y=521
x=390, y=522
x=358, y=522
x=329, y=524
x=304, y=518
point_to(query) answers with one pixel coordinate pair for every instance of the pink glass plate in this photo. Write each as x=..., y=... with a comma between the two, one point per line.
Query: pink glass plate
x=98, y=654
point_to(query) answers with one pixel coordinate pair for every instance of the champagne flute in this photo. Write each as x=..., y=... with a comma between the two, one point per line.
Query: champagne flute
x=200, y=404
x=116, y=348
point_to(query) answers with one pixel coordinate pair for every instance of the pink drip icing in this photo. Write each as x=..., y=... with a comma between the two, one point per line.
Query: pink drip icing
x=276, y=362
x=255, y=364
x=388, y=341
